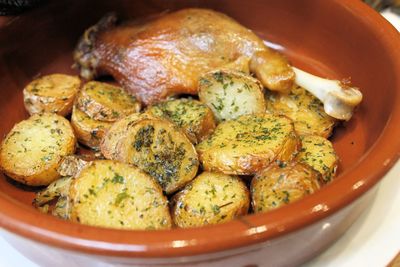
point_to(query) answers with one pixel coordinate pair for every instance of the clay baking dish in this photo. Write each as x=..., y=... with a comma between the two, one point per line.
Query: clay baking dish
x=336, y=39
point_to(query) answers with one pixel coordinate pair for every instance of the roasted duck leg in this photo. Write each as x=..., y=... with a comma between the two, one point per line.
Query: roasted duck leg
x=165, y=56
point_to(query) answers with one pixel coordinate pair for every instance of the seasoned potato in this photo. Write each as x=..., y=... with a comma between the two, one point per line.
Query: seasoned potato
x=209, y=199
x=53, y=93
x=117, y=132
x=69, y=168
x=88, y=131
x=306, y=111
x=62, y=209
x=32, y=151
x=113, y=194
x=231, y=94
x=156, y=147
x=318, y=153
x=194, y=117
x=106, y=102
x=280, y=184
x=58, y=188
x=248, y=144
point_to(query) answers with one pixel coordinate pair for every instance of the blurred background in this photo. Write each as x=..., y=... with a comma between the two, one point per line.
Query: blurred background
x=15, y=7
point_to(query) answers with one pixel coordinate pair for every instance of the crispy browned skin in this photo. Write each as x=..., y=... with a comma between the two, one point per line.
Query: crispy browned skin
x=166, y=55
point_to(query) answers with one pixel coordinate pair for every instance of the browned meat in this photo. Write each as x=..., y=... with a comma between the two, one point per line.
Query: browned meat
x=166, y=55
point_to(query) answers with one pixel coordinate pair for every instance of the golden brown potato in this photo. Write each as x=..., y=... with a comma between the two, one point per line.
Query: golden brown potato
x=33, y=149
x=89, y=132
x=117, y=131
x=230, y=94
x=194, y=117
x=209, y=199
x=106, y=102
x=159, y=149
x=319, y=153
x=306, y=111
x=115, y=195
x=280, y=184
x=248, y=144
x=53, y=93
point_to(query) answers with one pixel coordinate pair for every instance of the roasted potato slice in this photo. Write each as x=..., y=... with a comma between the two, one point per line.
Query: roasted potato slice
x=58, y=188
x=117, y=132
x=209, y=199
x=194, y=117
x=280, y=184
x=62, y=209
x=248, y=144
x=116, y=195
x=53, y=93
x=230, y=94
x=159, y=149
x=88, y=131
x=319, y=153
x=71, y=165
x=106, y=102
x=306, y=111
x=33, y=149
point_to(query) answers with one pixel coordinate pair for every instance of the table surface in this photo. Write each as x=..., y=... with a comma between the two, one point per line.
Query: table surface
x=373, y=240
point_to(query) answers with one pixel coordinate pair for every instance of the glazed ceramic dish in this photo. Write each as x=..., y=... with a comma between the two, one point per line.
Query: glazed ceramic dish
x=335, y=39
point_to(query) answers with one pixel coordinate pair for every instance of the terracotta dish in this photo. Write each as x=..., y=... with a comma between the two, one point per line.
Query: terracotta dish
x=335, y=39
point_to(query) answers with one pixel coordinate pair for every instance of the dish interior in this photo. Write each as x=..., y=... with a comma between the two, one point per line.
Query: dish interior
x=309, y=40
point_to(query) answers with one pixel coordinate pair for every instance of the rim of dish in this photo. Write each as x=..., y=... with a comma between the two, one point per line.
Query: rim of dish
x=27, y=222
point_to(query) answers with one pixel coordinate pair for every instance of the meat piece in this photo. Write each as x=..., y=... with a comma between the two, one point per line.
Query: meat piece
x=165, y=56
x=339, y=98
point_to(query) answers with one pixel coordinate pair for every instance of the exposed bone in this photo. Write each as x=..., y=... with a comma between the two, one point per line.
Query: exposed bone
x=339, y=98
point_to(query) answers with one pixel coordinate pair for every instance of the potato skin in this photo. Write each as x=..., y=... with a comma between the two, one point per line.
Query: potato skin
x=89, y=132
x=194, y=117
x=72, y=165
x=58, y=188
x=69, y=168
x=230, y=94
x=306, y=111
x=161, y=150
x=62, y=208
x=209, y=199
x=33, y=149
x=318, y=152
x=248, y=144
x=280, y=184
x=116, y=195
x=53, y=93
x=106, y=102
